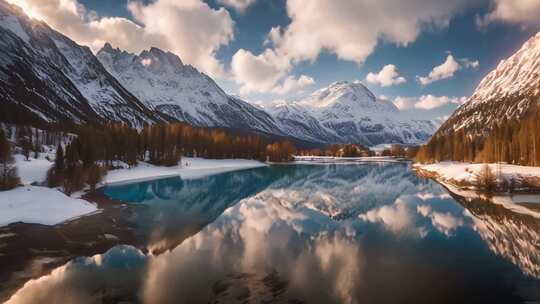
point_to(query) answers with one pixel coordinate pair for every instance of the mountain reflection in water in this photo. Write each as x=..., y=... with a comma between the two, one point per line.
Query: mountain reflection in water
x=306, y=234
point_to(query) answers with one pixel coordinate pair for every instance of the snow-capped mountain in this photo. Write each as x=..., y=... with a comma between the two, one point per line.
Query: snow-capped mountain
x=47, y=77
x=508, y=92
x=348, y=112
x=166, y=85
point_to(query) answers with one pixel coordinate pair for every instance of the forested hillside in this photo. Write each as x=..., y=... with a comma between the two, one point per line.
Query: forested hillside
x=513, y=141
x=501, y=121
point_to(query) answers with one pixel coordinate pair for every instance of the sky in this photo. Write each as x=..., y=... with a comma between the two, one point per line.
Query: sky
x=426, y=56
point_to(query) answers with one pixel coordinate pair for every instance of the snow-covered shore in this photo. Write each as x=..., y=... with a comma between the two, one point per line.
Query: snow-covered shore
x=511, y=202
x=42, y=205
x=195, y=168
x=460, y=178
x=466, y=173
x=38, y=205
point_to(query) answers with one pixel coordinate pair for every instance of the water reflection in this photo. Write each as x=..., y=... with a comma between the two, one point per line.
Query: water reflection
x=313, y=234
x=514, y=236
x=169, y=210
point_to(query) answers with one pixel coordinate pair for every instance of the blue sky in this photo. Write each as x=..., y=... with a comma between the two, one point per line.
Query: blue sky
x=244, y=62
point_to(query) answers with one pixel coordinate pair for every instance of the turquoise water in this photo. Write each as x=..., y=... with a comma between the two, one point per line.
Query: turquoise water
x=306, y=234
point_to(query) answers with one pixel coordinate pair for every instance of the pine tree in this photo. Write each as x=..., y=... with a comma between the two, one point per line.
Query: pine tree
x=8, y=172
x=59, y=162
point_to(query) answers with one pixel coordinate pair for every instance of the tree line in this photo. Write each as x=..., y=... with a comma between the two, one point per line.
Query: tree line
x=509, y=141
x=83, y=158
x=9, y=178
x=356, y=150
x=335, y=150
x=86, y=159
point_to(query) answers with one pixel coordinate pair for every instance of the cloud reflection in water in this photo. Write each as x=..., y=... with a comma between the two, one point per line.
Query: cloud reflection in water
x=326, y=234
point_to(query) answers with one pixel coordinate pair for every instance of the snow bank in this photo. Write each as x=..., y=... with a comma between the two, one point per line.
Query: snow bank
x=40, y=205
x=466, y=172
x=195, y=168
x=32, y=170
x=511, y=202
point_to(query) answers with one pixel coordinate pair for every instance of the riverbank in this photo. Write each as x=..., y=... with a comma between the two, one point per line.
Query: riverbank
x=464, y=175
x=190, y=168
x=48, y=206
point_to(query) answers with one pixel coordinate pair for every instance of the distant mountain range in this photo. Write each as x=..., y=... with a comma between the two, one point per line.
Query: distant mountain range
x=47, y=77
x=348, y=112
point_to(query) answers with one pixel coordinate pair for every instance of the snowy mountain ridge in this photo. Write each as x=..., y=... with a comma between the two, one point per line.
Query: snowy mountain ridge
x=46, y=77
x=49, y=77
x=507, y=92
x=346, y=112
x=166, y=85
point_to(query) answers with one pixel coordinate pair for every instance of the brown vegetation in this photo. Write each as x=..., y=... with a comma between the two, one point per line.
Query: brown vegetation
x=485, y=179
x=9, y=178
x=94, y=150
x=350, y=150
x=509, y=141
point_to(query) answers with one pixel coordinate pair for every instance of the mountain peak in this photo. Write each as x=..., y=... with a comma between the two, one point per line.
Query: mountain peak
x=353, y=94
x=156, y=54
x=107, y=47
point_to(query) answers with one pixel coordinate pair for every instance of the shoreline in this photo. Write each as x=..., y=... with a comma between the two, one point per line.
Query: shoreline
x=197, y=168
x=462, y=176
x=322, y=160
x=39, y=209
x=514, y=202
x=523, y=201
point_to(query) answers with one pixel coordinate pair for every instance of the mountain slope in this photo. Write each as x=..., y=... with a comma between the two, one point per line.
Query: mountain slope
x=166, y=85
x=508, y=92
x=348, y=112
x=501, y=121
x=47, y=77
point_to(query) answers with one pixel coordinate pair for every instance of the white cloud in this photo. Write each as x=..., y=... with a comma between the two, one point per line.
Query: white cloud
x=259, y=73
x=291, y=84
x=175, y=26
x=427, y=102
x=396, y=217
x=447, y=69
x=387, y=76
x=265, y=73
x=239, y=5
x=350, y=29
x=446, y=223
x=524, y=12
x=146, y=61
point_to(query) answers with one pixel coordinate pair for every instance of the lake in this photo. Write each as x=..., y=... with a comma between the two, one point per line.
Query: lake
x=364, y=233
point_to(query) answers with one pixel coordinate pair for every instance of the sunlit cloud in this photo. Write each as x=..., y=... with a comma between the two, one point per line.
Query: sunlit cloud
x=178, y=28
x=448, y=69
x=387, y=76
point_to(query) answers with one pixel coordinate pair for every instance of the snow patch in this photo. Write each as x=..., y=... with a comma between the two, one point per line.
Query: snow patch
x=32, y=170
x=190, y=168
x=467, y=172
x=40, y=205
